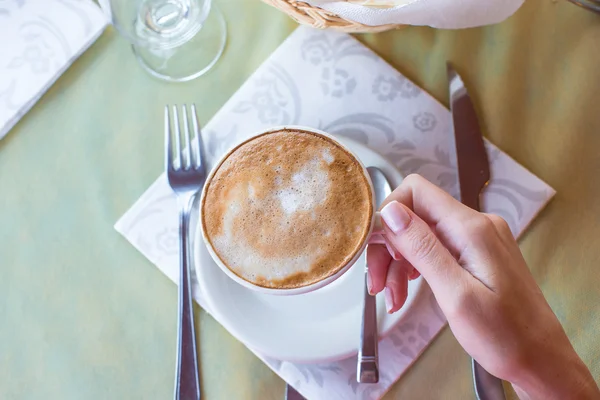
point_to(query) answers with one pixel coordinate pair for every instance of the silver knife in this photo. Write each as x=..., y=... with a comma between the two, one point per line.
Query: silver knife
x=473, y=176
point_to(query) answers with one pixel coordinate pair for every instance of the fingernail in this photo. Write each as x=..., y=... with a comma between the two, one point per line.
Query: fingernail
x=389, y=300
x=395, y=216
x=369, y=283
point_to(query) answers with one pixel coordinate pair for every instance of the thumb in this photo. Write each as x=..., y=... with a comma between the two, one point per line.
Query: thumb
x=417, y=243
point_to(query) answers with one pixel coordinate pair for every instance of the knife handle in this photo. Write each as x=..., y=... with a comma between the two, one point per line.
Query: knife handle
x=292, y=394
x=487, y=386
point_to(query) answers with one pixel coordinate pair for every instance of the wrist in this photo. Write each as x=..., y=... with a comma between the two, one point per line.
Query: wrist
x=564, y=377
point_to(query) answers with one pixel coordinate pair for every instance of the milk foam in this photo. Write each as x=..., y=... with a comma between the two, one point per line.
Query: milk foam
x=327, y=156
x=307, y=189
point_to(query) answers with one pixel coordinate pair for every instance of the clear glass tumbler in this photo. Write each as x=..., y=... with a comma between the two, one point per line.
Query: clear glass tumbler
x=175, y=40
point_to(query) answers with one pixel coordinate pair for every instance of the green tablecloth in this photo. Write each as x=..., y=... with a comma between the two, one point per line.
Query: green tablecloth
x=84, y=316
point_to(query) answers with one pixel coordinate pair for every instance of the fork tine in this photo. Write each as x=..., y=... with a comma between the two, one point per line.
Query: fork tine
x=168, y=148
x=197, y=134
x=177, y=139
x=186, y=130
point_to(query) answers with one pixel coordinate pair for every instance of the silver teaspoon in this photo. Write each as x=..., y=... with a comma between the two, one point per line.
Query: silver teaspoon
x=367, y=369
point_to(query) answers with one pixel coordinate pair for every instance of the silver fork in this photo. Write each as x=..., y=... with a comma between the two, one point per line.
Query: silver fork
x=185, y=173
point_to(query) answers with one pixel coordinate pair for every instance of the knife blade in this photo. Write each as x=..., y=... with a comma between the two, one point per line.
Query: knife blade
x=473, y=176
x=471, y=156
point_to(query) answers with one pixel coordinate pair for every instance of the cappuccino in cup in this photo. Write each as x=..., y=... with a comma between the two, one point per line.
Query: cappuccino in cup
x=288, y=210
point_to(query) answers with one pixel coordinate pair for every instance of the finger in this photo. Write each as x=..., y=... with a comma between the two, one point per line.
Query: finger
x=413, y=274
x=428, y=201
x=437, y=208
x=376, y=239
x=380, y=239
x=411, y=271
x=503, y=232
x=377, y=224
x=396, y=285
x=378, y=260
x=390, y=248
x=413, y=238
x=506, y=236
x=501, y=226
x=396, y=255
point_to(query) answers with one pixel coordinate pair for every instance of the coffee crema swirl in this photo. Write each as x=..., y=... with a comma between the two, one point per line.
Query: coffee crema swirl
x=287, y=209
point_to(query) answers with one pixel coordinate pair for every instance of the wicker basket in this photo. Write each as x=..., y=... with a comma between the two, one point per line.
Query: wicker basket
x=318, y=18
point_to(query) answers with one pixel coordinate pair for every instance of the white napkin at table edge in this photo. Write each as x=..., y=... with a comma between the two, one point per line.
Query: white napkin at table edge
x=363, y=93
x=96, y=30
x=445, y=14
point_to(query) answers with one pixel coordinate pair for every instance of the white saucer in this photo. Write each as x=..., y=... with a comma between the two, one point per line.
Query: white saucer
x=320, y=326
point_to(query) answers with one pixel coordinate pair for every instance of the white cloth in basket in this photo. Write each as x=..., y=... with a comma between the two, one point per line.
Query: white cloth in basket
x=445, y=14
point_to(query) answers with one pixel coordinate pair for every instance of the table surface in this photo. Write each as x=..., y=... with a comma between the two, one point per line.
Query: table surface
x=85, y=316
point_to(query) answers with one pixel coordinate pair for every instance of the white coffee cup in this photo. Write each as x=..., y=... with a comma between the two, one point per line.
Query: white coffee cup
x=310, y=287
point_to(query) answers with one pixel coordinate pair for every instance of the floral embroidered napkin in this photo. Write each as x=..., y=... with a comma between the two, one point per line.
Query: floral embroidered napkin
x=39, y=40
x=330, y=81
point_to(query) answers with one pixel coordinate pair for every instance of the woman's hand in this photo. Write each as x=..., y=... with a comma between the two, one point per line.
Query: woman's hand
x=482, y=284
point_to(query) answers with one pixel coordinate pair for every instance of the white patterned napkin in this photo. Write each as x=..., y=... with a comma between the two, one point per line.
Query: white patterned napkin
x=330, y=81
x=39, y=40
